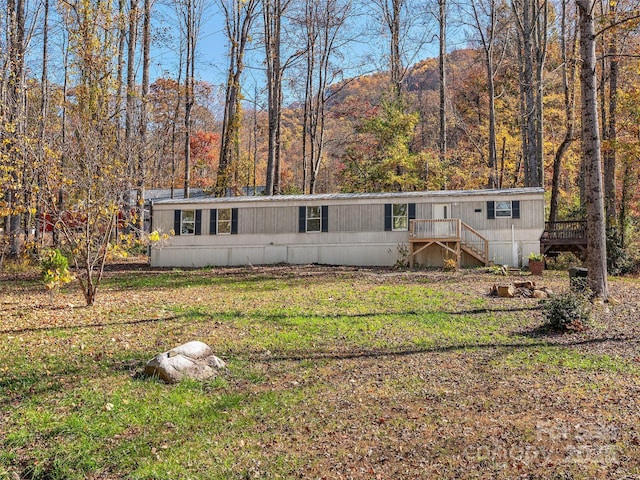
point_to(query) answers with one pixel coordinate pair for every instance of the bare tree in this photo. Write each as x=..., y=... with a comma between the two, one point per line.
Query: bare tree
x=273, y=12
x=93, y=170
x=13, y=113
x=568, y=44
x=394, y=15
x=239, y=17
x=191, y=13
x=130, y=140
x=531, y=19
x=322, y=22
x=142, y=152
x=44, y=108
x=488, y=23
x=442, y=74
x=596, y=231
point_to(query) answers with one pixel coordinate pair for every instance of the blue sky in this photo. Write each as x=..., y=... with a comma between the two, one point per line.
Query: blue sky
x=364, y=53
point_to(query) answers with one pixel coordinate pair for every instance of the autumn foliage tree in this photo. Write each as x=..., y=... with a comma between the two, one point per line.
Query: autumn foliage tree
x=94, y=173
x=380, y=160
x=205, y=147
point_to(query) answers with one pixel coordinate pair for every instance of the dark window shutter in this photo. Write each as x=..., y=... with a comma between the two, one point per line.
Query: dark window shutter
x=234, y=221
x=515, y=209
x=491, y=210
x=302, y=219
x=325, y=218
x=198, y=222
x=177, y=217
x=412, y=211
x=387, y=217
x=213, y=221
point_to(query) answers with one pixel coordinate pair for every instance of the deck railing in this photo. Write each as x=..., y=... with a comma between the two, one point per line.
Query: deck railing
x=565, y=230
x=448, y=228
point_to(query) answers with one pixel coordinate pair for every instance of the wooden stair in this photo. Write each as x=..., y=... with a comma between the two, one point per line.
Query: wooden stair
x=452, y=235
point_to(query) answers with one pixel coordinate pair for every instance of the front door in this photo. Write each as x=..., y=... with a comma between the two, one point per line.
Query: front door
x=441, y=211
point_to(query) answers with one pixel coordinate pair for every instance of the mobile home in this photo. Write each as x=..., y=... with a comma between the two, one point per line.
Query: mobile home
x=474, y=227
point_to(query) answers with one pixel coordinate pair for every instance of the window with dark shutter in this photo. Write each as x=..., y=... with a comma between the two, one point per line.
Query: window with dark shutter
x=313, y=219
x=503, y=209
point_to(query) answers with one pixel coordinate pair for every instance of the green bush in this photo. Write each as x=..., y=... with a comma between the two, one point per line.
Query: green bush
x=54, y=269
x=570, y=311
x=619, y=259
x=563, y=261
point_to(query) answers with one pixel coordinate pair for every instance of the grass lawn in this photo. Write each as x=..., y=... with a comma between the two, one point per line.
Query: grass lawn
x=336, y=373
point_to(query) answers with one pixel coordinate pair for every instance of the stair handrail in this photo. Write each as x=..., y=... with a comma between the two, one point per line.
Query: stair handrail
x=472, y=238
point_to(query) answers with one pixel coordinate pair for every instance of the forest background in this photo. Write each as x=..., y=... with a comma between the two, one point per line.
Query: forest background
x=102, y=99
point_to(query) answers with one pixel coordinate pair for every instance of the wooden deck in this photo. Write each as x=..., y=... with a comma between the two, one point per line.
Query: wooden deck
x=452, y=235
x=564, y=236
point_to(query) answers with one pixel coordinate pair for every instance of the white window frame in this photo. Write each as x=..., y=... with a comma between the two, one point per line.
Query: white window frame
x=187, y=225
x=503, y=209
x=312, y=219
x=399, y=218
x=223, y=225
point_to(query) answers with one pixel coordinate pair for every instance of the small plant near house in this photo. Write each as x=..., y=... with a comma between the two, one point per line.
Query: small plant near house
x=536, y=263
x=498, y=270
x=450, y=265
x=402, y=256
x=54, y=268
x=568, y=312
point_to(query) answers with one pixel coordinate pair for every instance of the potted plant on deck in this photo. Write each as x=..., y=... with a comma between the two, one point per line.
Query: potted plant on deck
x=536, y=263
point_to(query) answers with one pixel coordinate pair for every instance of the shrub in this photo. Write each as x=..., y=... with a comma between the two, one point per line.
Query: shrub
x=570, y=311
x=619, y=259
x=54, y=270
x=402, y=256
x=450, y=265
x=563, y=261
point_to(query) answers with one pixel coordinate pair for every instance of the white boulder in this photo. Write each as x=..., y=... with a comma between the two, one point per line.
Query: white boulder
x=193, y=360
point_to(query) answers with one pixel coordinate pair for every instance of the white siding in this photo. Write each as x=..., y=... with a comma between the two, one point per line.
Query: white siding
x=268, y=229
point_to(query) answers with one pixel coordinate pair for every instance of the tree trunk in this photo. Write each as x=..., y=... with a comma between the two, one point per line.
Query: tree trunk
x=191, y=12
x=273, y=11
x=129, y=141
x=609, y=131
x=568, y=91
x=44, y=108
x=15, y=117
x=442, y=70
x=596, y=236
x=239, y=19
x=142, y=149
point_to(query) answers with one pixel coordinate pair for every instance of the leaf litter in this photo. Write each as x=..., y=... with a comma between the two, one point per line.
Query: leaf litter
x=530, y=406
